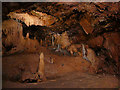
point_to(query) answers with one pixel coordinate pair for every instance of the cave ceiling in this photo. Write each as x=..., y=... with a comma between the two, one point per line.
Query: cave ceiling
x=64, y=16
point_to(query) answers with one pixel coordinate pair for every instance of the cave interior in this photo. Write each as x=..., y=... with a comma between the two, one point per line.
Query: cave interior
x=69, y=37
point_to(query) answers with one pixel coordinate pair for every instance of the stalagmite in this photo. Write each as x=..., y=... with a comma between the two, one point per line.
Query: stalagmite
x=84, y=53
x=34, y=38
x=52, y=40
x=41, y=42
x=41, y=67
x=58, y=41
x=72, y=49
x=27, y=36
x=58, y=47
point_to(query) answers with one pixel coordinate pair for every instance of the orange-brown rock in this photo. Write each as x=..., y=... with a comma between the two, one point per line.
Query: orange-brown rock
x=93, y=59
x=95, y=42
x=12, y=35
x=86, y=26
x=112, y=44
x=31, y=45
x=38, y=18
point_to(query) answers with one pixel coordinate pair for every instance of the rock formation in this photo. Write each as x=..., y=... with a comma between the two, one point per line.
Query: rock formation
x=41, y=67
x=94, y=24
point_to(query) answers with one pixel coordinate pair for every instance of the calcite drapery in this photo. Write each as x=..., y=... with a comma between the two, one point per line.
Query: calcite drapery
x=38, y=18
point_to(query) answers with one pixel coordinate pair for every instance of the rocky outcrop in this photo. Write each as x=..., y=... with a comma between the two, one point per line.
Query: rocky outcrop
x=112, y=44
x=95, y=42
x=13, y=40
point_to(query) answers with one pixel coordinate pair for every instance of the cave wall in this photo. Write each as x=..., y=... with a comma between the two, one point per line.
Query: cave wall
x=13, y=40
x=94, y=24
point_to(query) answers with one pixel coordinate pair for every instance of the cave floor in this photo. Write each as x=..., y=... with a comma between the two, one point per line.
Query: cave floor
x=70, y=80
x=64, y=72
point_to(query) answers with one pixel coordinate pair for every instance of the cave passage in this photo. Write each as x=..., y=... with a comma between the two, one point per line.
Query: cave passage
x=47, y=41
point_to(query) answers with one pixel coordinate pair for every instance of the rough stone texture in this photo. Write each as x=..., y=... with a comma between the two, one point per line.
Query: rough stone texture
x=13, y=40
x=93, y=59
x=96, y=24
x=37, y=18
x=112, y=44
x=31, y=45
x=86, y=26
x=12, y=36
x=95, y=42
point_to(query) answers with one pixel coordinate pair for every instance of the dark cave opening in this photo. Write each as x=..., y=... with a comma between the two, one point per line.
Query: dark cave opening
x=34, y=31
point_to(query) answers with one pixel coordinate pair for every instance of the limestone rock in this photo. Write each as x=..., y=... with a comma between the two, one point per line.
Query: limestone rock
x=31, y=45
x=62, y=40
x=87, y=27
x=38, y=18
x=41, y=67
x=29, y=77
x=72, y=49
x=93, y=59
x=13, y=40
x=112, y=44
x=95, y=42
x=12, y=35
x=65, y=40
